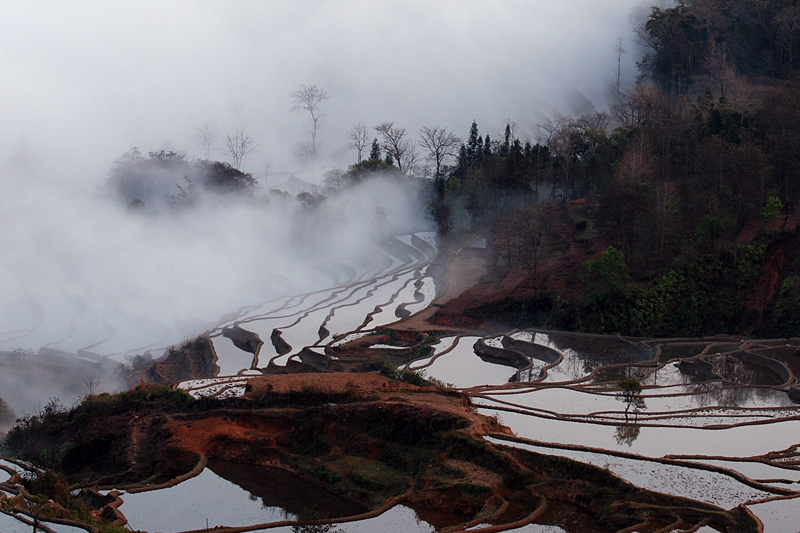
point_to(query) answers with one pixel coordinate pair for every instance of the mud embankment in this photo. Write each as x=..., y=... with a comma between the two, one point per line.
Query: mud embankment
x=193, y=359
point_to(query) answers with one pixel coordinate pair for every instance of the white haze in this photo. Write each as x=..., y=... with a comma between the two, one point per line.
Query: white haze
x=85, y=270
x=85, y=81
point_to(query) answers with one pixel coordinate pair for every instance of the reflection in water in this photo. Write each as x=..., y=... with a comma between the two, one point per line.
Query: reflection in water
x=316, y=528
x=562, y=409
x=733, y=369
x=744, y=397
x=562, y=516
x=463, y=368
x=398, y=518
x=277, y=488
x=594, y=351
x=191, y=503
x=627, y=434
x=741, y=441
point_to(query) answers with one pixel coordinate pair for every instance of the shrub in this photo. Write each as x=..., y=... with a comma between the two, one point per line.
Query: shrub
x=772, y=209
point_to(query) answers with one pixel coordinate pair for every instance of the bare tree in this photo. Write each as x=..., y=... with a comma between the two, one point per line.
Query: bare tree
x=91, y=381
x=206, y=136
x=396, y=144
x=531, y=225
x=709, y=15
x=521, y=237
x=637, y=165
x=787, y=22
x=267, y=168
x=308, y=98
x=303, y=152
x=359, y=134
x=237, y=145
x=645, y=103
x=597, y=122
x=441, y=145
x=410, y=159
x=619, y=50
x=510, y=126
x=562, y=136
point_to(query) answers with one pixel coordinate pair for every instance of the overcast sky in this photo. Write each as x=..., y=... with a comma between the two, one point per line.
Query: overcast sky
x=84, y=81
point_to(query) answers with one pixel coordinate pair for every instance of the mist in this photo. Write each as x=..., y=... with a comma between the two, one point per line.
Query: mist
x=84, y=82
x=89, y=275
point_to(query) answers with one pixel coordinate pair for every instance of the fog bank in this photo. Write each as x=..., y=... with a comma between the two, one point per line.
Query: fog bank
x=88, y=275
x=84, y=82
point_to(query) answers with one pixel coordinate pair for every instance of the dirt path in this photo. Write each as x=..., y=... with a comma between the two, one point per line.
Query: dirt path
x=462, y=271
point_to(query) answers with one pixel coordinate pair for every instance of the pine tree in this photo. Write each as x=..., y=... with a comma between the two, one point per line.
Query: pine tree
x=375, y=151
x=473, y=145
x=460, y=171
x=504, y=148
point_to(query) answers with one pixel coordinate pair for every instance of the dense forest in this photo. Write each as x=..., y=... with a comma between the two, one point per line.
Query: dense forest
x=682, y=186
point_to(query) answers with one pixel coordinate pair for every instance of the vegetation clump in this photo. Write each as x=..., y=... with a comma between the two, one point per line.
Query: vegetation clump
x=167, y=180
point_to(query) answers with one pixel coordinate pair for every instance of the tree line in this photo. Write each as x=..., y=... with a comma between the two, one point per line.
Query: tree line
x=669, y=180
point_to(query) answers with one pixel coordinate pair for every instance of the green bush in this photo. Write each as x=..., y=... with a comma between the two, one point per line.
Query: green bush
x=772, y=210
x=787, y=308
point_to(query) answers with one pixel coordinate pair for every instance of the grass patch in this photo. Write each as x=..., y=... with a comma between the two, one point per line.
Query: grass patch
x=450, y=472
x=412, y=377
x=325, y=474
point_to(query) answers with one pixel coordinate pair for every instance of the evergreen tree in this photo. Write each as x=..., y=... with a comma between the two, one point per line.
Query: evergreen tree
x=504, y=148
x=473, y=145
x=375, y=151
x=460, y=171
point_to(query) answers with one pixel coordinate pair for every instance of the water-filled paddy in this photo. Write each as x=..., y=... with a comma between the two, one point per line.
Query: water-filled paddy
x=702, y=485
x=234, y=495
x=585, y=353
x=778, y=515
x=399, y=278
x=671, y=398
x=746, y=441
x=398, y=518
x=230, y=359
x=444, y=344
x=461, y=367
x=706, y=409
x=757, y=470
x=189, y=504
x=9, y=524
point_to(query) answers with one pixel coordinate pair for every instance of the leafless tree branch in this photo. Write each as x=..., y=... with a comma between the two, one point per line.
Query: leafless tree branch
x=237, y=145
x=206, y=136
x=308, y=98
x=359, y=134
x=440, y=143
